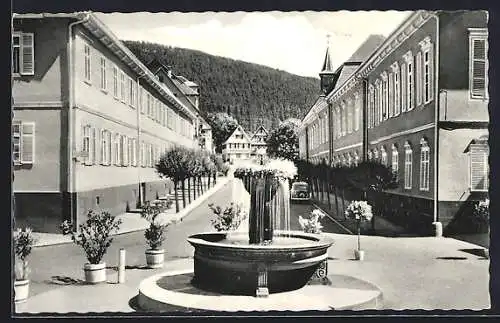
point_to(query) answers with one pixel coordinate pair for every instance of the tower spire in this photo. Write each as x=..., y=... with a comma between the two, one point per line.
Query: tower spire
x=327, y=63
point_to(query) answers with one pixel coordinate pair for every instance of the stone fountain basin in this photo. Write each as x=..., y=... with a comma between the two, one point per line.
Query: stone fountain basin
x=225, y=262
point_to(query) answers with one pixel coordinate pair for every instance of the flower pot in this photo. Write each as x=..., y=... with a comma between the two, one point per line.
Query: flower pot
x=21, y=290
x=95, y=274
x=154, y=258
x=359, y=254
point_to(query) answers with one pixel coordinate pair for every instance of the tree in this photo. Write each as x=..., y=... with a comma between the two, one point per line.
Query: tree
x=223, y=126
x=283, y=141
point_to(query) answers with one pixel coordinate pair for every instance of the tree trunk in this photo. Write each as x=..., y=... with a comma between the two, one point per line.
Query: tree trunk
x=343, y=200
x=208, y=179
x=328, y=194
x=189, y=190
x=215, y=177
x=183, y=186
x=359, y=233
x=335, y=193
x=176, y=196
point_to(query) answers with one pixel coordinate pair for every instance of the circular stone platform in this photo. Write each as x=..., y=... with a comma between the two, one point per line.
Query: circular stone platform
x=173, y=291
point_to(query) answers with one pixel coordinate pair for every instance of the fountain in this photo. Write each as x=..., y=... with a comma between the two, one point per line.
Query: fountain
x=259, y=267
x=271, y=258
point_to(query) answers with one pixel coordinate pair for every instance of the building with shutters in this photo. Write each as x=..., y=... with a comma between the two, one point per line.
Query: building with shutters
x=424, y=112
x=237, y=148
x=259, y=144
x=90, y=120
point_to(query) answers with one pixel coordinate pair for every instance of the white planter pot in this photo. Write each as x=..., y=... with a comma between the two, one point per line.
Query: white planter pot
x=359, y=255
x=95, y=274
x=21, y=290
x=155, y=258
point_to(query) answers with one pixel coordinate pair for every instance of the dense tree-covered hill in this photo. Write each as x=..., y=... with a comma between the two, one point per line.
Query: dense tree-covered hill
x=251, y=93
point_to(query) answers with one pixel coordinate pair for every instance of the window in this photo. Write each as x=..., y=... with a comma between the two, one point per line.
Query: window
x=87, y=63
x=409, y=80
x=397, y=90
x=383, y=156
x=89, y=144
x=357, y=113
x=391, y=95
x=105, y=147
x=384, y=97
x=424, y=165
x=404, y=87
x=371, y=105
x=148, y=104
x=418, y=77
x=134, y=152
x=117, y=147
x=142, y=154
x=478, y=63
x=479, y=168
x=131, y=92
x=23, y=54
x=141, y=99
x=349, y=115
x=23, y=137
x=130, y=151
x=124, y=150
x=115, y=81
x=408, y=166
x=344, y=119
x=395, y=161
x=123, y=90
x=103, y=80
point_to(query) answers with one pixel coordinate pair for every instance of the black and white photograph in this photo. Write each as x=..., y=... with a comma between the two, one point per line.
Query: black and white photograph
x=185, y=163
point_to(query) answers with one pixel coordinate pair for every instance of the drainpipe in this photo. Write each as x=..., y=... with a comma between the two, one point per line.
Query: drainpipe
x=138, y=145
x=71, y=126
x=365, y=120
x=438, y=228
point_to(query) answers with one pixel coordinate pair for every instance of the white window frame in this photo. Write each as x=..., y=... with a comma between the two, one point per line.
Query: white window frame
x=357, y=111
x=141, y=99
x=403, y=80
x=395, y=161
x=131, y=92
x=425, y=152
x=397, y=89
x=385, y=97
x=418, y=78
x=427, y=48
x=105, y=147
x=116, y=88
x=391, y=95
x=371, y=105
x=123, y=87
x=86, y=138
x=410, y=81
x=26, y=50
x=408, y=166
x=485, y=149
x=480, y=34
x=87, y=65
x=23, y=136
x=103, y=80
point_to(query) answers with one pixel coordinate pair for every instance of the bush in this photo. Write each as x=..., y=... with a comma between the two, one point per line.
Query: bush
x=312, y=224
x=227, y=219
x=23, y=245
x=94, y=236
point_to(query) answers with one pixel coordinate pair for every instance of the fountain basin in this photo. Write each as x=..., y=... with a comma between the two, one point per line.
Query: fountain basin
x=226, y=263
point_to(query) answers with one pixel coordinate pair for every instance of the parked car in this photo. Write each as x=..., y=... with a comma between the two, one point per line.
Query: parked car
x=300, y=192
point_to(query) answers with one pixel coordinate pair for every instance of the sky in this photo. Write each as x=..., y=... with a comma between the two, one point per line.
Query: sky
x=291, y=41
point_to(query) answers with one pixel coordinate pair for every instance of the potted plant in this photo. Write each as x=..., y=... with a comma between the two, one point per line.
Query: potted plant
x=360, y=211
x=23, y=244
x=94, y=236
x=155, y=234
x=312, y=224
x=228, y=219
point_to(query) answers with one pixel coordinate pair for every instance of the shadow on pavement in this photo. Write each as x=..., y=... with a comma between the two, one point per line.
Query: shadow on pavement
x=65, y=280
x=451, y=258
x=480, y=252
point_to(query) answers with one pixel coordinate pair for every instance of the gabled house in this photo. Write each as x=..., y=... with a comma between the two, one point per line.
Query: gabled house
x=259, y=143
x=237, y=147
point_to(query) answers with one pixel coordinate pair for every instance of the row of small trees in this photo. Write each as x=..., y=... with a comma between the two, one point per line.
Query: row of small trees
x=364, y=181
x=187, y=167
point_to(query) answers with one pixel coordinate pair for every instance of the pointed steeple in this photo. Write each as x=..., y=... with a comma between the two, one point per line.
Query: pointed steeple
x=327, y=73
x=327, y=63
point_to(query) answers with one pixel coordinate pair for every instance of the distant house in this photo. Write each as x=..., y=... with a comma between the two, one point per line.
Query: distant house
x=259, y=144
x=238, y=147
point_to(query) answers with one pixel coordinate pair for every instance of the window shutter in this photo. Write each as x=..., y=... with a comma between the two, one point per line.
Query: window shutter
x=479, y=168
x=28, y=143
x=27, y=54
x=479, y=67
x=97, y=146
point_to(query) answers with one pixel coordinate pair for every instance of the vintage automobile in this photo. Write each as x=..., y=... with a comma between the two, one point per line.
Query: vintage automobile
x=300, y=192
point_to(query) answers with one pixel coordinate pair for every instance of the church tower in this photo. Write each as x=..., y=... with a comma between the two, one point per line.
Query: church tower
x=327, y=73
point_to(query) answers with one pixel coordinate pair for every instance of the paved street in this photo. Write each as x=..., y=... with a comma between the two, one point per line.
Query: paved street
x=440, y=272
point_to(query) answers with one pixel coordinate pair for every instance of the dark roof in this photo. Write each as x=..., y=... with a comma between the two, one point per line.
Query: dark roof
x=327, y=63
x=367, y=48
x=345, y=73
x=183, y=87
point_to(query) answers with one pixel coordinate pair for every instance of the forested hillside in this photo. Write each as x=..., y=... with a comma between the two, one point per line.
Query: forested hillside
x=252, y=93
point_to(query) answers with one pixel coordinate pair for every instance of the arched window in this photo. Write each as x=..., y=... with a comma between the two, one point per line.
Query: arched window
x=383, y=156
x=395, y=160
x=408, y=165
x=424, y=165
